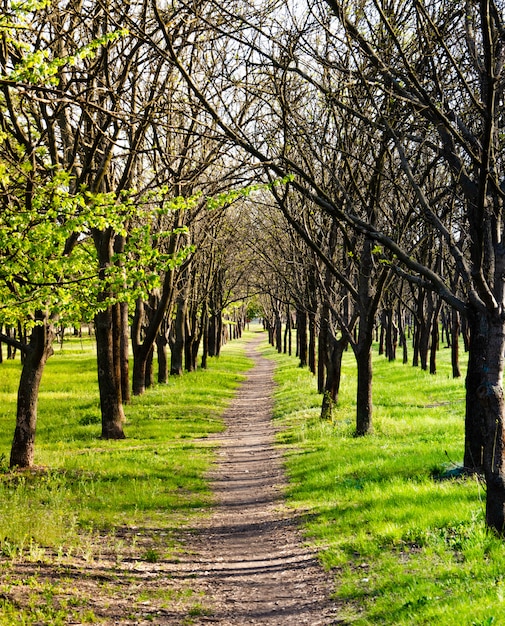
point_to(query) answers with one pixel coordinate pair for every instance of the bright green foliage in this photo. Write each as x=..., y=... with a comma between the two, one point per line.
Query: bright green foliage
x=37, y=273
x=47, y=256
x=38, y=68
x=406, y=545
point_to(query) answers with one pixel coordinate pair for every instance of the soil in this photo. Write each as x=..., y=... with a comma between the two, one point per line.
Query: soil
x=246, y=563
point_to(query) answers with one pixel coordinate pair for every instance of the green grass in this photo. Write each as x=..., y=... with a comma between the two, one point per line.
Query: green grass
x=153, y=477
x=405, y=548
x=100, y=512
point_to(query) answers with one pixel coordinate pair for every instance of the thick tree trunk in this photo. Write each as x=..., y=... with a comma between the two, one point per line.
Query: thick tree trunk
x=39, y=350
x=364, y=389
x=491, y=396
x=478, y=328
x=108, y=381
x=107, y=346
x=333, y=375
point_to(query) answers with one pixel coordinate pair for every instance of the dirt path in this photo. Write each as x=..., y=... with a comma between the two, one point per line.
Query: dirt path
x=250, y=553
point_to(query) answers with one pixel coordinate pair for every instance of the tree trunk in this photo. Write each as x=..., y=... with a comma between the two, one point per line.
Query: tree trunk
x=219, y=334
x=455, y=331
x=334, y=355
x=124, y=360
x=425, y=321
x=382, y=335
x=402, y=334
x=149, y=374
x=108, y=382
x=205, y=337
x=139, y=358
x=278, y=331
x=490, y=394
x=289, y=323
x=478, y=328
x=301, y=333
x=177, y=344
x=39, y=350
x=363, y=355
x=312, y=342
x=391, y=334
x=435, y=339
x=323, y=344
x=161, y=350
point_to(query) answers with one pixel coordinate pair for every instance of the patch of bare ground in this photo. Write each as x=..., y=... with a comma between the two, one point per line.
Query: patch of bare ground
x=246, y=563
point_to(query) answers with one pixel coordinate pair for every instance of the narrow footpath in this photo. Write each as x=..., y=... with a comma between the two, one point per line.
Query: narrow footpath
x=249, y=558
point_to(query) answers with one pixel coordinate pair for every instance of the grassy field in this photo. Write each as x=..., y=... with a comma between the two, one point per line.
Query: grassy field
x=406, y=547
x=88, y=497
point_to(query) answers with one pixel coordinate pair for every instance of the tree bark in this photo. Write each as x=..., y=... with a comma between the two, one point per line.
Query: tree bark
x=161, y=350
x=455, y=332
x=108, y=382
x=39, y=350
x=179, y=337
x=301, y=333
x=435, y=339
x=312, y=342
x=123, y=354
x=478, y=328
x=335, y=351
x=491, y=396
x=107, y=347
x=363, y=353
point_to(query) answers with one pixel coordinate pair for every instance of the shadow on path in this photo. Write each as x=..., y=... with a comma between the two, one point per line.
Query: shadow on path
x=250, y=553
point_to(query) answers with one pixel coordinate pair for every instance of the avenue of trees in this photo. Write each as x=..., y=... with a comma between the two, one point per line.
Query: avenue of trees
x=337, y=164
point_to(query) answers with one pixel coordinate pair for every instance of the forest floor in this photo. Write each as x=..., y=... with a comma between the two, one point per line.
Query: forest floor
x=245, y=563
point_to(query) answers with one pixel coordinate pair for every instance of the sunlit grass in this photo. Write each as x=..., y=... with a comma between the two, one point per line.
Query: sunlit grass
x=405, y=548
x=84, y=484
